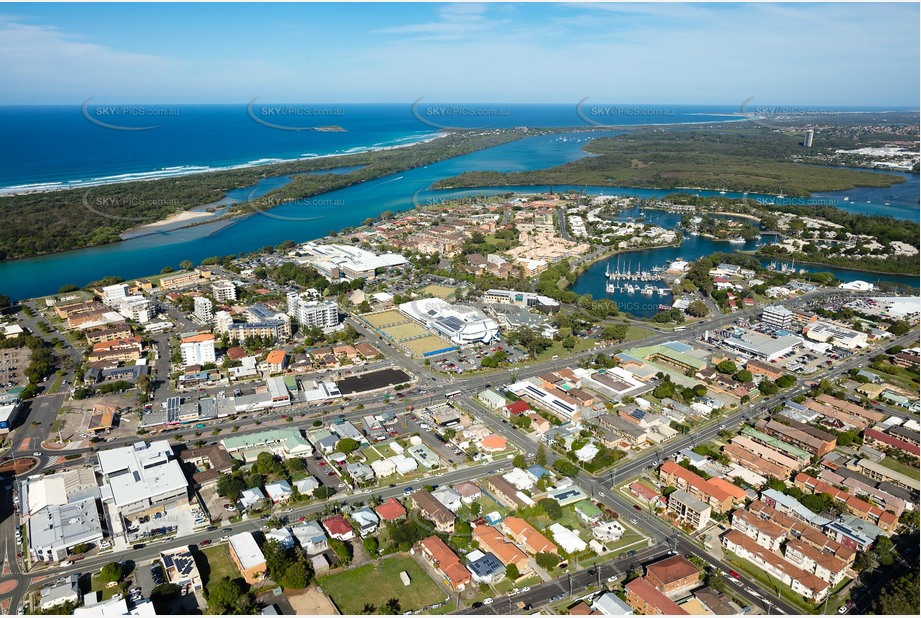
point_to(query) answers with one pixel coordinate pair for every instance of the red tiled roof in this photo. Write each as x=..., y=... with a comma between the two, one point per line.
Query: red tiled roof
x=337, y=525
x=646, y=591
x=276, y=357
x=672, y=569
x=892, y=441
x=390, y=510
x=517, y=407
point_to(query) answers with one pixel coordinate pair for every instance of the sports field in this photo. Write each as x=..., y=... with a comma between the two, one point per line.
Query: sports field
x=403, y=331
x=385, y=317
x=420, y=346
x=440, y=291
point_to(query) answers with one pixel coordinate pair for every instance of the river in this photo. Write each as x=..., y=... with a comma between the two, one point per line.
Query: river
x=311, y=218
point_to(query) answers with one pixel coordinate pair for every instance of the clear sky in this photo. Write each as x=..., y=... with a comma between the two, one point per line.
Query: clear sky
x=803, y=54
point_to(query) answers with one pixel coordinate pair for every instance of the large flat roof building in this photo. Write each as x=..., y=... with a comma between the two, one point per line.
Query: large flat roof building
x=142, y=475
x=461, y=325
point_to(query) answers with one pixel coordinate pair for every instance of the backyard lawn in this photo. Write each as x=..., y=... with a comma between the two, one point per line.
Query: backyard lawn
x=219, y=564
x=377, y=582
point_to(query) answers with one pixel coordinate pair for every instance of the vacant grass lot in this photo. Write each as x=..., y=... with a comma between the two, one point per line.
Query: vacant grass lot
x=379, y=581
x=217, y=564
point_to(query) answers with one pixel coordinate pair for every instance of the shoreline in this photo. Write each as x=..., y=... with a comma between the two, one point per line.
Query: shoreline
x=187, y=218
x=194, y=171
x=769, y=258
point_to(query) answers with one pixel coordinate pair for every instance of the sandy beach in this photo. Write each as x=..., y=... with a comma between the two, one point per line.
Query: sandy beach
x=178, y=220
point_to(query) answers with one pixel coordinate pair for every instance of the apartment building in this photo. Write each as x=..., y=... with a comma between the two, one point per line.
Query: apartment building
x=197, y=349
x=180, y=280
x=802, y=582
x=682, y=478
x=688, y=509
x=310, y=313
x=433, y=510
x=798, y=434
x=117, y=350
x=223, y=291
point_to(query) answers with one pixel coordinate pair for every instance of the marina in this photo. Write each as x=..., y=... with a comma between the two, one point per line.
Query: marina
x=626, y=281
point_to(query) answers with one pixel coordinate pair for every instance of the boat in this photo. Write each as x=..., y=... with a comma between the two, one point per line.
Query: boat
x=610, y=288
x=737, y=241
x=648, y=290
x=847, y=199
x=663, y=291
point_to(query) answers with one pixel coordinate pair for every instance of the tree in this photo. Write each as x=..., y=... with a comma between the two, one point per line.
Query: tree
x=547, y=560
x=767, y=387
x=744, y=376
x=371, y=545
x=726, y=366
x=614, y=332
x=277, y=559
x=900, y=597
x=511, y=571
x=111, y=572
x=551, y=507
x=230, y=486
x=224, y=595
x=569, y=343
x=520, y=461
x=393, y=606
x=294, y=465
x=81, y=548
x=297, y=575
x=566, y=468
x=697, y=309
x=541, y=456
x=342, y=551
x=186, y=264
x=369, y=608
x=347, y=445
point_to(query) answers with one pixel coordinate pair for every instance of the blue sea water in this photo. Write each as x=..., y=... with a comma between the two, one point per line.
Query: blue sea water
x=305, y=219
x=66, y=146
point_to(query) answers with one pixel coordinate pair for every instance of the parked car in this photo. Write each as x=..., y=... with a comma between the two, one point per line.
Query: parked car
x=205, y=542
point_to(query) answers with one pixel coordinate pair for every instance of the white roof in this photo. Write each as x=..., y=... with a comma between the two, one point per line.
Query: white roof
x=247, y=550
x=567, y=539
x=106, y=608
x=46, y=490
x=278, y=490
x=141, y=471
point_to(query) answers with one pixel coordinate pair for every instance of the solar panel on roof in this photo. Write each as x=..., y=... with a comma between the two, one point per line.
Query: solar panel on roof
x=168, y=561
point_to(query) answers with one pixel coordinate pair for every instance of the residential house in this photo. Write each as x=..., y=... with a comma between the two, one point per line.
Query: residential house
x=338, y=528
x=390, y=510
x=247, y=557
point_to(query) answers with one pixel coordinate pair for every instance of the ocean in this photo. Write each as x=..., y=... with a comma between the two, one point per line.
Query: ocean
x=68, y=146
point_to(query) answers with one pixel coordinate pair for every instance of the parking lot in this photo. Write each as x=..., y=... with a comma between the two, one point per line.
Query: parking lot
x=469, y=358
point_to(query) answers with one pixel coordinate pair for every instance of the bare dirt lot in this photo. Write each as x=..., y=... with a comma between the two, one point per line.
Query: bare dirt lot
x=312, y=602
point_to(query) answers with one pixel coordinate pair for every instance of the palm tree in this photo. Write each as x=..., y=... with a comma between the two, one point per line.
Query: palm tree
x=393, y=606
x=369, y=608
